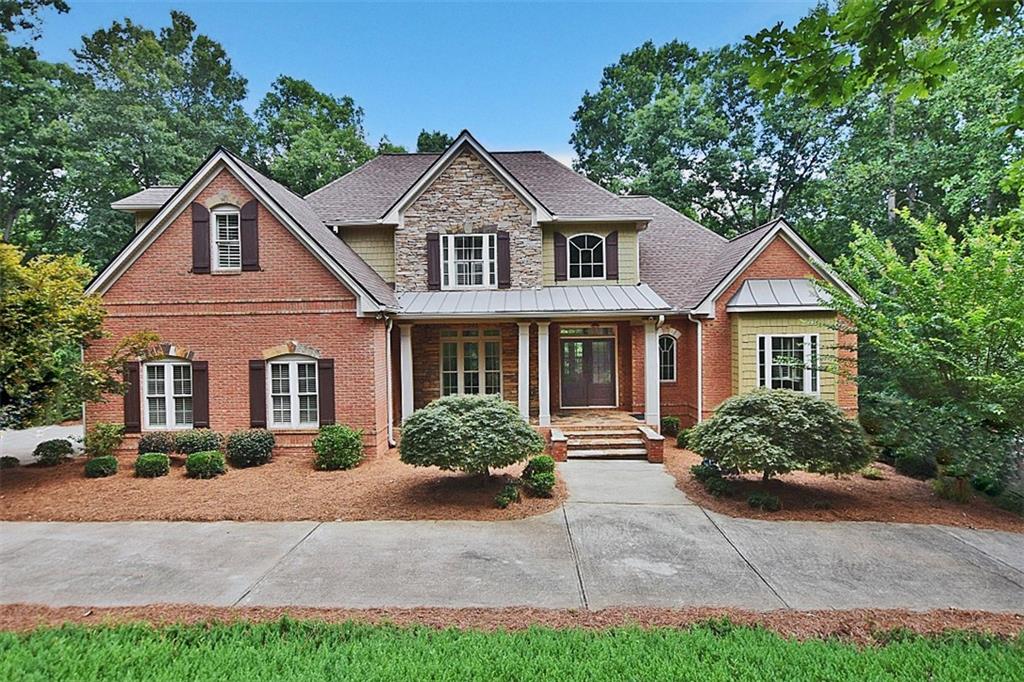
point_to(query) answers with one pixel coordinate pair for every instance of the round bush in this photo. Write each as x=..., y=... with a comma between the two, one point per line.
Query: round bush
x=197, y=440
x=670, y=427
x=204, y=464
x=250, y=448
x=52, y=452
x=539, y=465
x=8, y=462
x=775, y=432
x=540, y=484
x=152, y=465
x=157, y=441
x=338, y=447
x=468, y=433
x=101, y=467
x=103, y=439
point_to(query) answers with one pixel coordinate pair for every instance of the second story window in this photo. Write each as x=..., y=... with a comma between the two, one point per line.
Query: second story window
x=586, y=257
x=468, y=261
x=227, y=240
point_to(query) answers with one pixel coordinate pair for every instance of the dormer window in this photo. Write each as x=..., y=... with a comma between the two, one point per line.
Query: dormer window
x=586, y=257
x=227, y=240
x=469, y=261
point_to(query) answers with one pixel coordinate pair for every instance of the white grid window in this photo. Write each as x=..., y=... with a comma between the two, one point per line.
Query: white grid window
x=465, y=368
x=586, y=257
x=469, y=261
x=667, y=357
x=788, y=361
x=227, y=240
x=168, y=395
x=293, y=392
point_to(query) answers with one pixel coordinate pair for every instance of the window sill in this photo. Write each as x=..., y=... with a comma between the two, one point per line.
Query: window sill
x=226, y=272
x=299, y=430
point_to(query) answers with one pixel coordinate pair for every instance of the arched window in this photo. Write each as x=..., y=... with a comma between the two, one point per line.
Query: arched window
x=667, y=357
x=167, y=399
x=292, y=392
x=586, y=257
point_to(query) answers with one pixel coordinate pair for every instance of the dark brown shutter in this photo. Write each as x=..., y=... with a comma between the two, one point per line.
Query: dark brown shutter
x=258, y=394
x=561, y=258
x=504, y=261
x=433, y=261
x=200, y=395
x=325, y=387
x=200, y=239
x=132, y=399
x=250, y=234
x=611, y=256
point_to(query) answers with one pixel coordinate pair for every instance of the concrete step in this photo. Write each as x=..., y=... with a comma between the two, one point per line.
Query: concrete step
x=599, y=433
x=595, y=442
x=605, y=453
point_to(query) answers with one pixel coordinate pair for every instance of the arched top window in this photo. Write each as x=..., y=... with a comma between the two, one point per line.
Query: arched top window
x=292, y=391
x=167, y=394
x=667, y=357
x=586, y=257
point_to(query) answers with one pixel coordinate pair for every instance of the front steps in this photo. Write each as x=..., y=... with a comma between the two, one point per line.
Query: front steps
x=588, y=442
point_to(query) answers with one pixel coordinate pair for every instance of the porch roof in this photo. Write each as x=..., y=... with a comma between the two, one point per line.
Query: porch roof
x=765, y=295
x=547, y=301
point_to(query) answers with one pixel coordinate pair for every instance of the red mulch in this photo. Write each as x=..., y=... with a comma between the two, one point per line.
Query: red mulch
x=810, y=497
x=286, y=489
x=861, y=626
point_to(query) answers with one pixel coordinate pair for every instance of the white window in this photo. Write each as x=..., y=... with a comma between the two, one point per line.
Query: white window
x=788, y=361
x=470, y=362
x=667, y=357
x=227, y=240
x=167, y=395
x=586, y=257
x=469, y=261
x=292, y=392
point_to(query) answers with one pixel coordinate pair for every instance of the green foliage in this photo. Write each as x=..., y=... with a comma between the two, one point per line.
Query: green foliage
x=8, y=462
x=152, y=465
x=157, y=441
x=709, y=475
x=540, y=483
x=764, y=501
x=542, y=464
x=776, y=432
x=950, y=488
x=872, y=473
x=197, y=440
x=683, y=439
x=916, y=465
x=992, y=487
x=250, y=448
x=53, y=452
x=1010, y=501
x=103, y=439
x=507, y=495
x=204, y=464
x=468, y=433
x=433, y=142
x=338, y=447
x=670, y=427
x=101, y=467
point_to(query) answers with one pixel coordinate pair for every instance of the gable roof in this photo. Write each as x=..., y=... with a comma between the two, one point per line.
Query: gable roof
x=150, y=198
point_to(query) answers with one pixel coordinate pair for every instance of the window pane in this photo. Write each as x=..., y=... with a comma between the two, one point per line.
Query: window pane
x=787, y=362
x=471, y=382
x=761, y=375
x=308, y=409
x=183, y=411
x=307, y=377
x=814, y=363
x=586, y=257
x=182, y=380
x=471, y=263
x=229, y=247
x=279, y=378
x=154, y=380
x=157, y=409
x=471, y=356
x=667, y=352
x=492, y=356
x=281, y=410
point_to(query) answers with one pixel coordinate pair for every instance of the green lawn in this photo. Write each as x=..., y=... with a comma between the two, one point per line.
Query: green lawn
x=309, y=651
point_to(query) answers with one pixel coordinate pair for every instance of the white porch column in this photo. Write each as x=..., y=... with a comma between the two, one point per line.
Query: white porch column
x=543, y=375
x=405, y=362
x=524, y=370
x=652, y=375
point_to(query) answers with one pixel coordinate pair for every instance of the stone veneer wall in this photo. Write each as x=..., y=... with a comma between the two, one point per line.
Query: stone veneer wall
x=467, y=198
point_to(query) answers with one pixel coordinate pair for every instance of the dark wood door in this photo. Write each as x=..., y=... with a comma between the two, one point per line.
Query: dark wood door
x=588, y=372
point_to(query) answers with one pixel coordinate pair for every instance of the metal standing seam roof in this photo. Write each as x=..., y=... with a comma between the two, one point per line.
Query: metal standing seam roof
x=546, y=300
x=779, y=293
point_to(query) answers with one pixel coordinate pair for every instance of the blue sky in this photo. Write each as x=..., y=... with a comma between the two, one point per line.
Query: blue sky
x=511, y=73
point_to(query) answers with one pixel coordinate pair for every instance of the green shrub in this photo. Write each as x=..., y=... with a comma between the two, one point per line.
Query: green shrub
x=1010, y=501
x=718, y=487
x=338, y=447
x=250, y=447
x=764, y=501
x=8, y=462
x=101, y=467
x=205, y=464
x=706, y=471
x=540, y=484
x=157, y=441
x=683, y=439
x=988, y=484
x=52, y=452
x=152, y=465
x=775, y=432
x=197, y=440
x=670, y=426
x=872, y=473
x=468, y=433
x=103, y=439
x=916, y=466
x=542, y=464
x=508, y=495
x=951, y=488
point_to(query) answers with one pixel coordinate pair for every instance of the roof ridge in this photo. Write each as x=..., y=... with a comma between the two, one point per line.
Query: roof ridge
x=770, y=223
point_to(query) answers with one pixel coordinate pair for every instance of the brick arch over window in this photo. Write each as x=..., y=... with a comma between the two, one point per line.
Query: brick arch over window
x=178, y=383
x=289, y=356
x=291, y=348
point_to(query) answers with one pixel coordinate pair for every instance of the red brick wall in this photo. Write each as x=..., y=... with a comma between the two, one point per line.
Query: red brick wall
x=231, y=318
x=679, y=397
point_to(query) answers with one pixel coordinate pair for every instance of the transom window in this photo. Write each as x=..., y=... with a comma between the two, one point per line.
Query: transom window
x=470, y=362
x=788, y=361
x=168, y=395
x=586, y=257
x=667, y=357
x=227, y=240
x=292, y=388
x=469, y=261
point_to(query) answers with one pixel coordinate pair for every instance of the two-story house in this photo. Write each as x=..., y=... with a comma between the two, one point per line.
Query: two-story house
x=417, y=276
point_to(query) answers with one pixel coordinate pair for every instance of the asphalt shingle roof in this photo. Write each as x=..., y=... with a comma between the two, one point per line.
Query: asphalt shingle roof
x=151, y=197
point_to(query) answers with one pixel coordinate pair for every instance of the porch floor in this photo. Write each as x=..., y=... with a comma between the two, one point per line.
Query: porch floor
x=595, y=417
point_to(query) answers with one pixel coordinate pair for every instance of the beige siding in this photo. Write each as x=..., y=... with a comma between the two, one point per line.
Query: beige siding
x=376, y=246
x=627, y=252
x=141, y=218
x=746, y=327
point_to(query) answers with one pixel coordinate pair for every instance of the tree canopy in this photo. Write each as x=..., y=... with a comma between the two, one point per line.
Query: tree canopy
x=433, y=142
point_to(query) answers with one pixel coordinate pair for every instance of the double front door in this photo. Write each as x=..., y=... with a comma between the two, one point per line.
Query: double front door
x=588, y=372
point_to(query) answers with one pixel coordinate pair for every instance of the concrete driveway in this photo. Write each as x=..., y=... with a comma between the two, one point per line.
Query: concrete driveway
x=627, y=537
x=22, y=443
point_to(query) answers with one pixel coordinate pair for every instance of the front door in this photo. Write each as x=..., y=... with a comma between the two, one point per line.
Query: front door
x=588, y=372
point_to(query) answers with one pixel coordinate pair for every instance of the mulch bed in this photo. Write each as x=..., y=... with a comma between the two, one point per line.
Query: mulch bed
x=860, y=626
x=286, y=489
x=809, y=497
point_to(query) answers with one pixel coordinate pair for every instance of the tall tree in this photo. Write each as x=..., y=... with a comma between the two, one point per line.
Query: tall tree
x=433, y=142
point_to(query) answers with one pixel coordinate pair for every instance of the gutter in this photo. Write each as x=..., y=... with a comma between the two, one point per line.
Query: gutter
x=700, y=367
x=389, y=390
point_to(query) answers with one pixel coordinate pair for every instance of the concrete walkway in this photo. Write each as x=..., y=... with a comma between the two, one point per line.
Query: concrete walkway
x=627, y=537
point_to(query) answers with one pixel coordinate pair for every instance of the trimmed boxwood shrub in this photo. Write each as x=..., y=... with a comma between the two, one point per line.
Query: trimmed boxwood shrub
x=539, y=476
x=775, y=432
x=103, y=439
x=101, y=467
x=197, y=440
x=338, y=447
x=204, y=464
x=468, y=433
x=250, y=447
x=8, y=462
x=152, y=465
x=157, y=441
x=683, y=439
x=52, y=452
x=508, y=495
x=670, y=426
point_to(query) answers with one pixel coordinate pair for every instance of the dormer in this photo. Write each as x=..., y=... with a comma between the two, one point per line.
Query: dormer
x=144, y=205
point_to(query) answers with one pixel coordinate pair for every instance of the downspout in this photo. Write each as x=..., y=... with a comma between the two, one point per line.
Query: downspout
x=700, y=367
x=388, y=322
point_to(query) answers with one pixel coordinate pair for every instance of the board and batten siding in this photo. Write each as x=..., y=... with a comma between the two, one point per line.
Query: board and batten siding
x=627, y=252
x=375, y=245
x=746, y=327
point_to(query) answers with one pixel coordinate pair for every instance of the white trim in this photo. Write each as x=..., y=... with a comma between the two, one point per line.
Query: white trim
x=552, y=315
x=449, y=273
x=568, y=258
x=652, y=376
x=224, y=210
x=640, y=218
x=812, y=375
x=389, y=387
x=779, y=309
x=460, y=340
x=292, y=362
x=614, y=336
x=405, y=368
x=700, y=368
x=523, y=367
x=168, y=394
x=543, y=375
x=675, y=357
